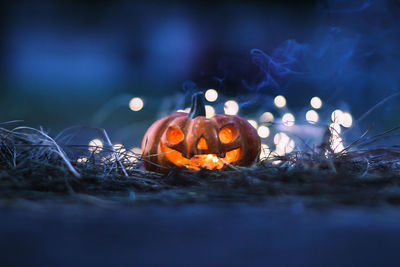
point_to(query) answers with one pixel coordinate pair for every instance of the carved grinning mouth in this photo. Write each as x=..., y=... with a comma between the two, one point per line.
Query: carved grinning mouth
x=196, y=162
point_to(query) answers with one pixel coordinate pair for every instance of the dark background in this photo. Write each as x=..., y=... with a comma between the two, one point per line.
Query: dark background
x=67, y=63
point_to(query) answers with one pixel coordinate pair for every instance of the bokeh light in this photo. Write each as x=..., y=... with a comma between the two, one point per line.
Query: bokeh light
x=280, y=101
x=336, y=143
x=136, y=150
x=312, y=116
x=283, y=144
x=347, y=120
x=267, y=117
x=316, y=102
x=211, y=95
x=288, y=119
x=337, y=116
x=265, y=151
x=133, y=154
x=82, y=160
x=335, y=128
x=210, y=111
x=119, y=148
x=136, y=104
x=95, y=146
x=343, y=118
x=253, y=123
x=263, y=131
x=186, y=110
x=231, y=107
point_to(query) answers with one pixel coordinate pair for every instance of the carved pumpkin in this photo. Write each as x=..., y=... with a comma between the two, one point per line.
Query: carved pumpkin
x=194, y=141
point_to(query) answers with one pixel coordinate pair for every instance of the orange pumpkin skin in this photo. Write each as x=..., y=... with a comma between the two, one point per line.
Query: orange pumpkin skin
x=199, y=142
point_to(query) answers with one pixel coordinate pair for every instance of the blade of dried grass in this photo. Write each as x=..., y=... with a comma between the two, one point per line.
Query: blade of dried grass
x=58, y=150
x=115, y=152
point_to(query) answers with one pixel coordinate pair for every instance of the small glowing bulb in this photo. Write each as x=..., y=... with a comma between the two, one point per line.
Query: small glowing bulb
x=95, y=146
x=136, y=104
x=209, y=157
x=278, y=137
x=231, y=107
x=337, y=116
x=82, y=160
x=215, y=159
x=335, y=128
x=316, y=102
x=288, y=119
x=253, y=123
x=312, y=116
x=337, y=144
x=267, y=117
x=210, y=111
x=211, y=95
x=119, y=148
x=133, y=154
x=280, y=101
x=347, y=120
x=284, y=144
x=263, y=131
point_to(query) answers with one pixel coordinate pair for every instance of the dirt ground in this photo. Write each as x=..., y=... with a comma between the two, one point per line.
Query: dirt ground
x=106, y=233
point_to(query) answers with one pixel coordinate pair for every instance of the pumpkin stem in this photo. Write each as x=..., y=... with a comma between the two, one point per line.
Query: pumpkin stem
x=197, y=108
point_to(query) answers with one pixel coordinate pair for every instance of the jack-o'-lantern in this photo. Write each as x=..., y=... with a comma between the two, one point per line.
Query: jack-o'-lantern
x=193, y=141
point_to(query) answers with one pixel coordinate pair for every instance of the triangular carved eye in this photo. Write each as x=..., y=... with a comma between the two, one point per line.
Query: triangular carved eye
x=174, y=135
x=228, y=133
x=202, y=144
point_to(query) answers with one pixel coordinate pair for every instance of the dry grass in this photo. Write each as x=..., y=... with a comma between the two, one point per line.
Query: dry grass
x=35, y=166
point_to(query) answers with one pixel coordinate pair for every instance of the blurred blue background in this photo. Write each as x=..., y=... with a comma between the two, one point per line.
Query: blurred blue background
x=79, y=62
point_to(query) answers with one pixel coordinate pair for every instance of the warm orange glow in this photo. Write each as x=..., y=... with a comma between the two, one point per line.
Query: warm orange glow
x=208, y=161
x=174, y=135
x=227, y=134
x=202, y=144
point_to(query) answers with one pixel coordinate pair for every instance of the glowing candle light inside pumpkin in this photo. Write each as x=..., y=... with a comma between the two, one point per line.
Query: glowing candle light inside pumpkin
x=312, y=116
x=231, y=107
x=136, y=104
x=280, y=101
x=215, y=159
x=316, y=102
x=95, y=146
x=211, y=95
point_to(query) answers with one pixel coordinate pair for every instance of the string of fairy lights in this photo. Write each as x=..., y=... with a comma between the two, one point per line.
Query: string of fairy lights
x=280, y=143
